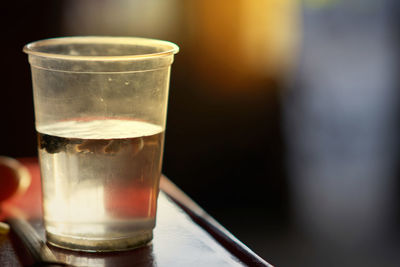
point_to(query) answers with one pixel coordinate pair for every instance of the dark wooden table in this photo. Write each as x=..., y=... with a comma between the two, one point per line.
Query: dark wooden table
x=185, y=235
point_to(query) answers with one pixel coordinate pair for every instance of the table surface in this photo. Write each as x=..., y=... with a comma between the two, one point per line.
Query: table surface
x=185, y=235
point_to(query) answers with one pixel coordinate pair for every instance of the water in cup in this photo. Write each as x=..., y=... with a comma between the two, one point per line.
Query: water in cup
x=100, y=180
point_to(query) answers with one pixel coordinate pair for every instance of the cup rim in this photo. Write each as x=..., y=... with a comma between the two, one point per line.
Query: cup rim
x=31, y=48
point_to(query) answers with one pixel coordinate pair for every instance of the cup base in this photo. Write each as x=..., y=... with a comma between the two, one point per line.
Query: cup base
x=100, y=245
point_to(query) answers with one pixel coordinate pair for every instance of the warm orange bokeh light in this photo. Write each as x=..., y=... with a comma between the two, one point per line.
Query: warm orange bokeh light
x=241, y=42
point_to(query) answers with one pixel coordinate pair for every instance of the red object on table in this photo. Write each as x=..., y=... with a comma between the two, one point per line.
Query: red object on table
x=28, y=204
x=9, y=182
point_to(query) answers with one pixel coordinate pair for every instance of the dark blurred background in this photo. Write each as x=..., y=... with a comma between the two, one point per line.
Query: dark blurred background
x=283, y=114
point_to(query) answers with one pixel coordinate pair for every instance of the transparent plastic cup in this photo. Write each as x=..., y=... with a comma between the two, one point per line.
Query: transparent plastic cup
x=100, y=111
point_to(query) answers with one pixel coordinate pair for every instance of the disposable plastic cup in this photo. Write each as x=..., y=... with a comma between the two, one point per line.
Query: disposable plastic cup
x=100, y=111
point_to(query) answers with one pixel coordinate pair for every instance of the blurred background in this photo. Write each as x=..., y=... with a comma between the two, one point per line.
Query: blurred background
x=283, y=114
